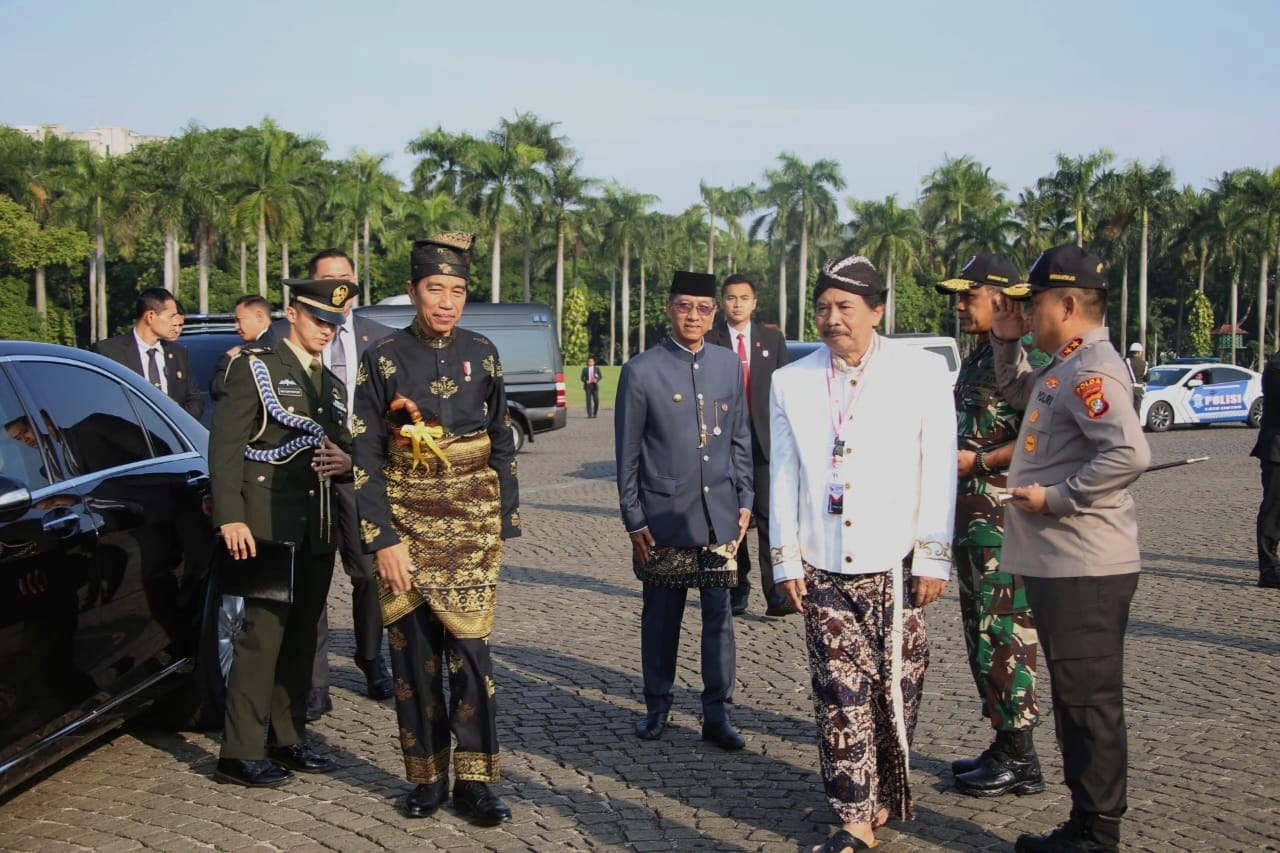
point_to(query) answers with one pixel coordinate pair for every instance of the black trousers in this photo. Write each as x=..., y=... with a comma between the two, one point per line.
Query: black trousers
x=660, y=644
x=1081, y=622
x=1269, y=523
x=593, y=398
x=366, y=611
x=760, y=514
x=271, y=668
x=422, y=651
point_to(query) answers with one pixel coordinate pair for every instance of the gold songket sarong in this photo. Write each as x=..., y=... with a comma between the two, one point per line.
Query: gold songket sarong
x=450, y=518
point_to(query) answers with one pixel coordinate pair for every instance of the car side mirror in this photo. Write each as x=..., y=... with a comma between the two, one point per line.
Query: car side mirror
x=1194, y=383
x=15, y=497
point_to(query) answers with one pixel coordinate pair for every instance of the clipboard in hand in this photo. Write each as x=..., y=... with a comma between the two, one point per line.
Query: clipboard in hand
x=266, y=577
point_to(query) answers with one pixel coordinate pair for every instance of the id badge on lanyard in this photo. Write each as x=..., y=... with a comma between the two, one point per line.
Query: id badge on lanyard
x=835, y=488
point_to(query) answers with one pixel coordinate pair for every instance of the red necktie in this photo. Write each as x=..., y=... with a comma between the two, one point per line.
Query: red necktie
x=746, y=367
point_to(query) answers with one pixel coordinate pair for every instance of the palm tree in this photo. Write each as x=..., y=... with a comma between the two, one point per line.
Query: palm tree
x=1036, y=228
x=46, y=177
x=808, y=191
x=444, y=164
x=496, y=167
x=626, y=212
x=94, y=197
x=1076, y=184
x=891, y=236
x=959, y=185
x=1260, y=195
x=1145, y=190
x=566, y=188
x=776, y=225
x=273, y=183
x=371, y=194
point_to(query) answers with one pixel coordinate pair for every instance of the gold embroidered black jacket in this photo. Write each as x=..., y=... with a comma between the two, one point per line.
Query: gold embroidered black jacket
x=456, y=383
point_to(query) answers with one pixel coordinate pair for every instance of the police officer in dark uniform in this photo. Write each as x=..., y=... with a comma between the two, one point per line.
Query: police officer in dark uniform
x=279, y=437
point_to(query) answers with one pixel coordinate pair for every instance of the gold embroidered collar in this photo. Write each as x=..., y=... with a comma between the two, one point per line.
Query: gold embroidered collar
x=432, y=340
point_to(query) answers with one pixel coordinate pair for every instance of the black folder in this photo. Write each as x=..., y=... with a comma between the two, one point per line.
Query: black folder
x=266, y=577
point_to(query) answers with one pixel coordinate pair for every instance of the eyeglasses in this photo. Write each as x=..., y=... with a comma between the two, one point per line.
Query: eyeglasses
x=703, y=308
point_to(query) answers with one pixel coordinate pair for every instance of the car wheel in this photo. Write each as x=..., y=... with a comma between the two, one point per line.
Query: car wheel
x=1255, y=414
x=517, y=434
x=1159, y=417
x=201, y=704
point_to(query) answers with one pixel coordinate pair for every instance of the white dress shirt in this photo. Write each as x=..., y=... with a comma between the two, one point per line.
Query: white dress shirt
x=161, y=356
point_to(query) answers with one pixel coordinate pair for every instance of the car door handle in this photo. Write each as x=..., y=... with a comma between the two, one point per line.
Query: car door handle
x=61, y=523
x=198, y=480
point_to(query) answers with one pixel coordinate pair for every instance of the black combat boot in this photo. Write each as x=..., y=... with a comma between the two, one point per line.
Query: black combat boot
x=1083, y=833
x=964, y=765
x=1011, y=766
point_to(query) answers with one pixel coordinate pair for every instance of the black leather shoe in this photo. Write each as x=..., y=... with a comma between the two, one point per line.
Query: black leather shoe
x=1269, y=581
x=738, y=604
x=723, y=735
x=301, y=757
x=475, y=802
x=777, y=611
x=378, y=682
x=425, y=800
x=652, y=726
x=1068, y=838
x=251, y=774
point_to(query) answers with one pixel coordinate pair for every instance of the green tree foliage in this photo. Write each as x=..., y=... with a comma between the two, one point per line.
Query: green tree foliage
x=574, y=344
x=1200, y=325
x=20, y=322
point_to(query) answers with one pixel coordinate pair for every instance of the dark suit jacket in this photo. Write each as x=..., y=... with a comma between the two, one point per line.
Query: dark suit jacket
x=177, y=368
x=768, y=353
x=599, y=375
x=1267, y=447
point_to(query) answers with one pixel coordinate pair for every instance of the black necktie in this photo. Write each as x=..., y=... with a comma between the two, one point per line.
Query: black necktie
x=153, y=368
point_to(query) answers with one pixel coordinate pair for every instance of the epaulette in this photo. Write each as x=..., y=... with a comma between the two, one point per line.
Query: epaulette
x=255, y=349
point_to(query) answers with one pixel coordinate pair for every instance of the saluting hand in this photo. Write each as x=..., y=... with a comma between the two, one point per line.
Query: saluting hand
x=394, y=567
x=1007, y=320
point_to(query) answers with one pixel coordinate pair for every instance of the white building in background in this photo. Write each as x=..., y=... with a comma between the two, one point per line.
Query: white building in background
x=106, y=141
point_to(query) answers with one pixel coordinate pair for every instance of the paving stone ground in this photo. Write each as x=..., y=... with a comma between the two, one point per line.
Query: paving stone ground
x=1202, y=668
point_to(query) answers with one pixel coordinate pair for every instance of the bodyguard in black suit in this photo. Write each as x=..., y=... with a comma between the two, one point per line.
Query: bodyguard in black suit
x=1267, y=450
x=765, y=350
x=353, y=337
x=149, y=352
x=591, y=377
x=253, y=321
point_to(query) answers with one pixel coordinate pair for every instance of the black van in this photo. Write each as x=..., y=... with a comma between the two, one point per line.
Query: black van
x=532, y=366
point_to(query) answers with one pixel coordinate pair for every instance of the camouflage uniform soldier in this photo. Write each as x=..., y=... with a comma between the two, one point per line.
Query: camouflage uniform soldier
x=999, y=631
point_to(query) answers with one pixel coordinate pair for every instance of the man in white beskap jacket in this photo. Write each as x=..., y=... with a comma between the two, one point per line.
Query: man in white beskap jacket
x=863, y=479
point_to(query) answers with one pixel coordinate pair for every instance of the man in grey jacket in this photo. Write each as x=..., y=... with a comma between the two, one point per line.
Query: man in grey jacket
x=1072, y=533
x=683, y=451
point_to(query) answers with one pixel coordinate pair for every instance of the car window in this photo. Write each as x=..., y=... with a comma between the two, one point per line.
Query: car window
x=91, y=421
x=1229, y=374
x=1162, y=377
x=21, y=457
x=524, y=350
x=165, y=440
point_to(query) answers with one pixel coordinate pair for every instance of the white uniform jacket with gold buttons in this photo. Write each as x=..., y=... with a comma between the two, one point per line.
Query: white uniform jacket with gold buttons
x=898, y=466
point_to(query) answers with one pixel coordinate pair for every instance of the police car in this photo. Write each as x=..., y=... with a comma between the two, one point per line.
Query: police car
x=1201, y=392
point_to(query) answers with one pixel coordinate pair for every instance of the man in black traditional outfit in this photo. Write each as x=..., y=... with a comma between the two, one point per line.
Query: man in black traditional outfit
x=435, y=477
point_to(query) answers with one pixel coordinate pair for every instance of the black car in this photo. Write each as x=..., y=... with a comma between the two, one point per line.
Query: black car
x=104, y=543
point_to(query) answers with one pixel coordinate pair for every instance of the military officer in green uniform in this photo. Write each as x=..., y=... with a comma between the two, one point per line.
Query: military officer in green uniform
x=999, y=631
x=279, y=437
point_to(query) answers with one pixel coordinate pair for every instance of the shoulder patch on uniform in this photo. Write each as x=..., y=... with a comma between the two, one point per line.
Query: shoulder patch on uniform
x=1090, y=392
x=1052, y=383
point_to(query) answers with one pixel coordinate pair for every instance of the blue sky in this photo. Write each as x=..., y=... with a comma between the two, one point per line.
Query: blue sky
x=661, y=94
